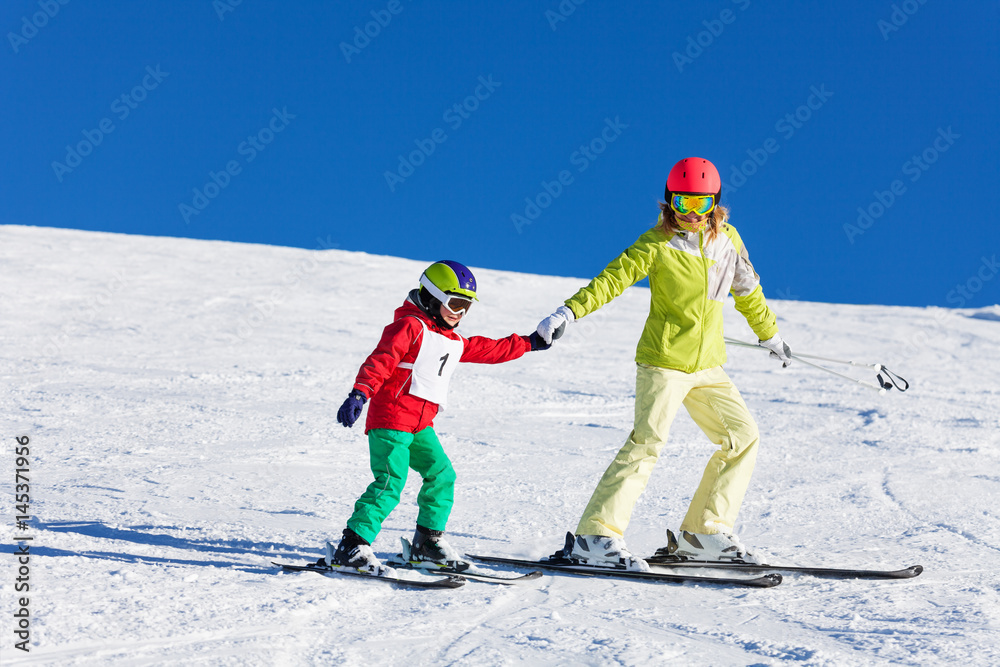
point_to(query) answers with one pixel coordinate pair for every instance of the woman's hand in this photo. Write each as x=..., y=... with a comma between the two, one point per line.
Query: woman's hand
x=553, y=326
x=779, y=349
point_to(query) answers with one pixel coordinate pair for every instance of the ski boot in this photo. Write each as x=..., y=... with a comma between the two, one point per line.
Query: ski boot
x=602, y=551
x=429, y=549
x=356, y=553
x=720, y=547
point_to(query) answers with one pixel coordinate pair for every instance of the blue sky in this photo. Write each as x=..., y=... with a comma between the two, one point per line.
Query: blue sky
x=525, y=136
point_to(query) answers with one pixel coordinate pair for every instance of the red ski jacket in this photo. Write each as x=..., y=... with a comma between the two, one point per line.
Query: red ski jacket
x=386, y=386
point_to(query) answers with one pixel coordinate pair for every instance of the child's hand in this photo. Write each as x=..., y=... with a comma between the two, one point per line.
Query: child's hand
x=537, y=342
x=351, y=409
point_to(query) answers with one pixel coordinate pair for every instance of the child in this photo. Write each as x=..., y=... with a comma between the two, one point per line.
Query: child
x=406, y=379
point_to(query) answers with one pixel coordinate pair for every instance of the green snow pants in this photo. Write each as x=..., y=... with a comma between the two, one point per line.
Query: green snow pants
x=392, y=454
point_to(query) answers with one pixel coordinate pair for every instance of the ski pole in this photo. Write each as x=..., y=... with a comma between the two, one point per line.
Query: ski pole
x=870, y=385
x=894, y=381
x=874, y=367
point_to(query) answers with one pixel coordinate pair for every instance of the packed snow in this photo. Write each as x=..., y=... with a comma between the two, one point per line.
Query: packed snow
x=180, y=399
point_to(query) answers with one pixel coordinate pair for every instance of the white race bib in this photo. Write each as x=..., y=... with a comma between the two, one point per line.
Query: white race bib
x=436, y=360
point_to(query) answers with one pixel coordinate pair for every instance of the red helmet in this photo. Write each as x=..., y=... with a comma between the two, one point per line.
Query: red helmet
x=694, y=175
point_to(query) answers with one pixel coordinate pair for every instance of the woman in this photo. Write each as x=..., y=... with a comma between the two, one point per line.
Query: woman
x=692, y=258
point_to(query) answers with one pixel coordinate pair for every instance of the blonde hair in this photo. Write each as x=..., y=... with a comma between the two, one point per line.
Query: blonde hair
x=668, y=223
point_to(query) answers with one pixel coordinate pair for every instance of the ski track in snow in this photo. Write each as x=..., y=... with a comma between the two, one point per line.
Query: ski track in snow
x=181, y=401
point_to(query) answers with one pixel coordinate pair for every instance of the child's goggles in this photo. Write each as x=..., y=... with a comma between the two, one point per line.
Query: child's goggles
x=456, y=305
x=697, y=204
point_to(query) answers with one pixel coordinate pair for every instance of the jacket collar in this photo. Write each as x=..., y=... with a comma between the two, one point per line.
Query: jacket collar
x=411, y=309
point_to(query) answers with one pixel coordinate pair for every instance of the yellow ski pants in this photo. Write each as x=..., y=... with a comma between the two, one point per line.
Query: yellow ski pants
x=717, y=408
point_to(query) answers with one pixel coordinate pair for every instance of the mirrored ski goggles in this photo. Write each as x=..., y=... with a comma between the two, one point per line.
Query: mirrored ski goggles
x=697, y=204
x=456, y=305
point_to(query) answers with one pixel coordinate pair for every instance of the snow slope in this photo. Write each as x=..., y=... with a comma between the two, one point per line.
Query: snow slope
x=180, y=397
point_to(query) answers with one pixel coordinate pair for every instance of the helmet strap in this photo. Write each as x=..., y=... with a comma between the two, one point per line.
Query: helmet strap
x=431, y=306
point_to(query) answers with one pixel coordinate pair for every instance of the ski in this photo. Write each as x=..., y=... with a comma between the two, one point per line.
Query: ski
x=835, y=572
x=403, y=560
x=470, y=574
x=450, y=581
x=568, y=566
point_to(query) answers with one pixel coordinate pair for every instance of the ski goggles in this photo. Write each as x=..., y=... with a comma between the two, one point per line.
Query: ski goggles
x=687, y=204
x=456, y=305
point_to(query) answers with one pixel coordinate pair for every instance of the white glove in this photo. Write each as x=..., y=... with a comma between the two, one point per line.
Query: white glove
x=553, y=325
x=779, y=349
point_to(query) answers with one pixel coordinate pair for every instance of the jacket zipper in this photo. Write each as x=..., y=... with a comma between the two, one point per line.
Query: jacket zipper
x=704, y=301
x=410, y=378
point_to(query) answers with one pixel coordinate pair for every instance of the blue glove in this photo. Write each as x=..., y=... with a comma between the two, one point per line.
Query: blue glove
x=351, y=409
x=537, y=342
